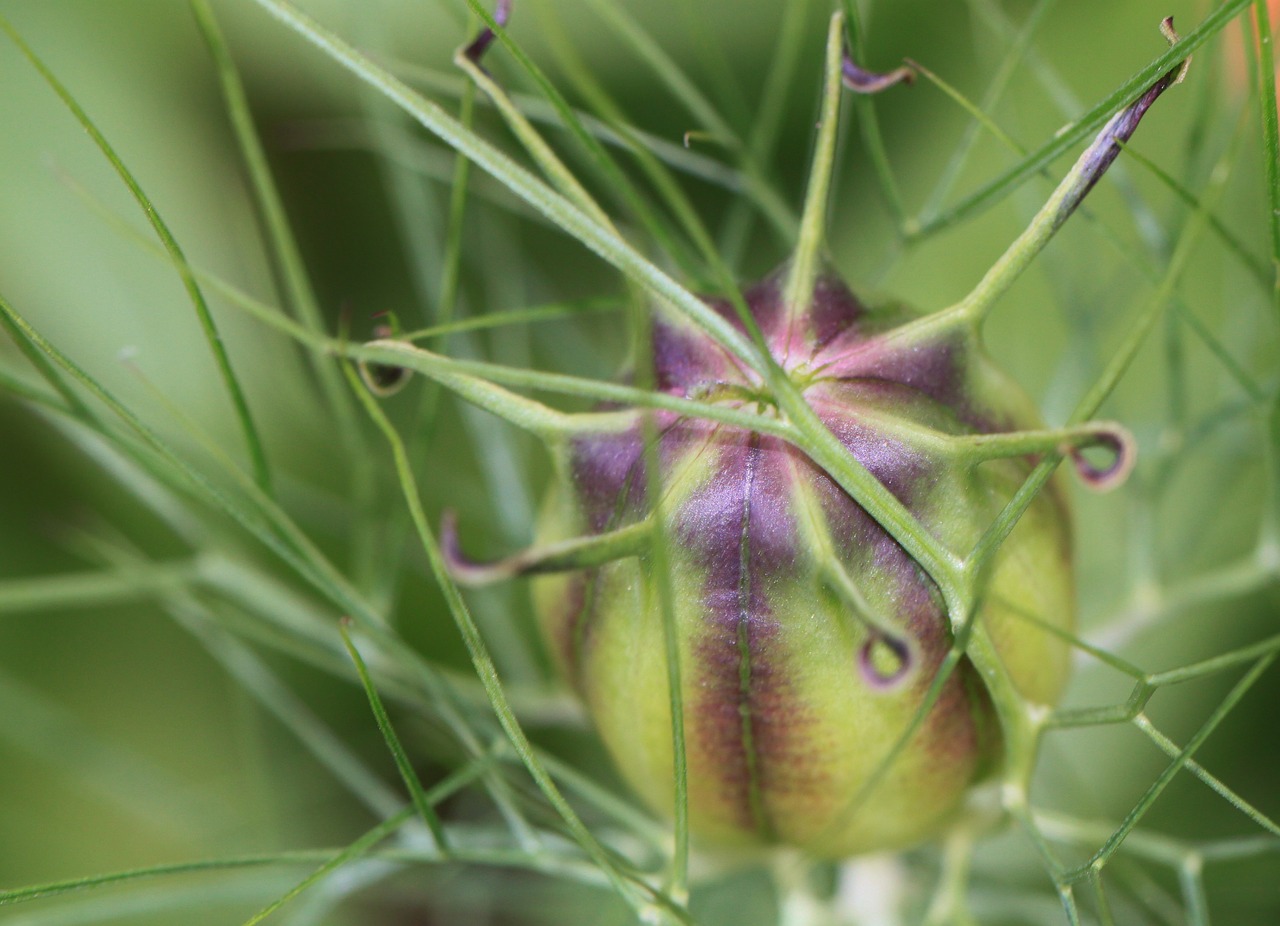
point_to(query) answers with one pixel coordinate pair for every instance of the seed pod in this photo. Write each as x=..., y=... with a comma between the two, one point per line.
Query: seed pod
x=793, y=687
x=809, y=639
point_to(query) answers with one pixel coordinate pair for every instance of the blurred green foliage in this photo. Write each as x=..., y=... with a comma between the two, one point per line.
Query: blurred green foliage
x=123, y=743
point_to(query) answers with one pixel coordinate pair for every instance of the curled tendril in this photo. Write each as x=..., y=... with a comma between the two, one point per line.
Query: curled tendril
x=860, y=80
x=464, y=569
x=383, y=379
x=475, y=51
x=1123, y=449
x=884, y=661
x=1070, y=442
x=581, y=553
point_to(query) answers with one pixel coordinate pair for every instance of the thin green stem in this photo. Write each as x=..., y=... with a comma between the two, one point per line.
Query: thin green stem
x=1131, y=820
x=1232, y=241
x=352, y=852
x=683, y=88
x=1270, y=135
x=715, y=63
x=17, y=388
x=459, y=190
x=1105, y=916
x=980, y=119
x=806, y=260
x=547, y=160
x=95, y=588
x=1191, y=879
x=417, y=793
x=659, y=566
x=283, y=245
x=765, y=125
x=527, y=414
x=1017, y=52
x=262, y=473
x=1065, y=140
x=1172, y=750
x=551, y=311
x=539, y=110
x=542, y=419
x=565, y=555
x=46, y=368
x=362, y=846
x=869, y=125
x=616, y=179
x=948, y=906
x=483, y=663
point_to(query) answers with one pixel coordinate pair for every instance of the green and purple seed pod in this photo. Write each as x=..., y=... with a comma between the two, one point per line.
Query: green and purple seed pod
x=810, y=642
x=790, y=688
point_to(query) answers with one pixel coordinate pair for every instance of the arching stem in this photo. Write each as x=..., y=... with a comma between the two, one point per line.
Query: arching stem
x=1072, y=441
x=563, y=556
x=1068, y=195
x=539, y=419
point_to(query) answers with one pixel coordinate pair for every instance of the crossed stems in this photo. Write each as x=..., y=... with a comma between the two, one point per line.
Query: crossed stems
x=959, y=579
x=968, y=314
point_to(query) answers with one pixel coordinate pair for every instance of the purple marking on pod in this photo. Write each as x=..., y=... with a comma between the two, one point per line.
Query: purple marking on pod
x=604, y=468
x=740, y=529
x=934, y=368
x=684, y=359
x=764, y=300
x=835, y=311
x=571, y=620
x=899, y=467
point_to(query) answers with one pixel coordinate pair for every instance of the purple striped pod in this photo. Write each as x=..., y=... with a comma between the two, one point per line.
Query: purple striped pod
x=808, y=638
x=792, y=692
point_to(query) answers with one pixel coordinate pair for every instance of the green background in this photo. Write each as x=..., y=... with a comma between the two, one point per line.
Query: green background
x=124, y=744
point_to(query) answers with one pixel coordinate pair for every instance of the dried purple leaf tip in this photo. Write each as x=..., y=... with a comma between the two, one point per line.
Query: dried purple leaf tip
x=460, y=566
x=1106, y=147
x=860, y=80
x=501, y=13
